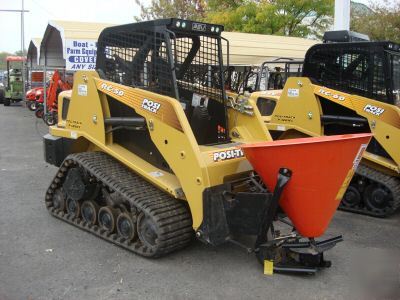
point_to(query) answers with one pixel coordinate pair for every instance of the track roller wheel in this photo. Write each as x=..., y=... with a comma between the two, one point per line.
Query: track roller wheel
x=77, y=185
x=377, y=198
x=352, y=197
x=59, y=199
x=89, y=211
x=147, y=230
x=107, y=218
x=126, y=227
x=73, y=207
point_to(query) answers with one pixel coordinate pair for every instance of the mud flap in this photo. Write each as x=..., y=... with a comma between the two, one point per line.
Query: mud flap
x=226, y=213
x=250, y=213
x=56, y=149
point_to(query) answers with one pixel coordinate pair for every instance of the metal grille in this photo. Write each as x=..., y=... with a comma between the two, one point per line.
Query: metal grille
x=378, y=80
x=198, y=65
x=269, y=76
x=346, y=70
x=235, y=77
x=275, y=73
x=352, y=69
x=143, y=59
x=138, y=59
x=395, y=67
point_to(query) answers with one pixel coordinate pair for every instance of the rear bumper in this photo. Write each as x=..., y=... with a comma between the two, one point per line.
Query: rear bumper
x=56, y=149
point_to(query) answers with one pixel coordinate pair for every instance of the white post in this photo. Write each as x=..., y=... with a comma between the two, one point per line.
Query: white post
x=342, y=15
x=44, y=86
x=23, y=51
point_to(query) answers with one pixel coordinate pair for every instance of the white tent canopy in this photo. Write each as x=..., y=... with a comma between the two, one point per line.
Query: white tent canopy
x=253, y=49
x=61, y=36
x=63, y=42
x=33, y=53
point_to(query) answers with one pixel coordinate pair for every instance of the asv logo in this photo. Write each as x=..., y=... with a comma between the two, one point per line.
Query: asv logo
x=111, y=89
x=372, y=109
x=199, y=27
x=151, y=106
x=227, y=154
x=329, y=94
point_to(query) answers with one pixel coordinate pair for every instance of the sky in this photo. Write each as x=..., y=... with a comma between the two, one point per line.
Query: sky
x=41, y=11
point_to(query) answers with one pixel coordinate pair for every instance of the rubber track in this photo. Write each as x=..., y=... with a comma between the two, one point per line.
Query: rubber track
x=171, y=216
x=390, y=182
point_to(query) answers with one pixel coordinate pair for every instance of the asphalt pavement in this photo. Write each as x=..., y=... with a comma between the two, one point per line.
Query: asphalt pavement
x=43, y=258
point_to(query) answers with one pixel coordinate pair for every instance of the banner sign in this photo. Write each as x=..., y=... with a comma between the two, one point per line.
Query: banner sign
x=80, y=54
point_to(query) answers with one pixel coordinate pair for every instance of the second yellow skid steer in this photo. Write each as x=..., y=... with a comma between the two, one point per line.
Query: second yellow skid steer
x=348, y=87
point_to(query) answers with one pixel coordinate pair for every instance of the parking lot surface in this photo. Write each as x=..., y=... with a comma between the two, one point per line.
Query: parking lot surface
x=43, y=258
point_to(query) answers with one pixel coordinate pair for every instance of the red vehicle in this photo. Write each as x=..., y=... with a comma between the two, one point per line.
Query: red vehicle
x=56, y=86
x=32, y=96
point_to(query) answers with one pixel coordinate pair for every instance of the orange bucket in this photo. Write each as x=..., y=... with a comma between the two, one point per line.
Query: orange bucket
x=322, y=169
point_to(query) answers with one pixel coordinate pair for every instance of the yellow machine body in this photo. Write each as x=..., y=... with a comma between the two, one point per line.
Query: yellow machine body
x=298, y=113
x=170, y=132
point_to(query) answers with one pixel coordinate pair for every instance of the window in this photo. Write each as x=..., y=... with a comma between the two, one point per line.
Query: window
x=266, y=106
x=356, y=69
x=378, y=81
x=395, y=67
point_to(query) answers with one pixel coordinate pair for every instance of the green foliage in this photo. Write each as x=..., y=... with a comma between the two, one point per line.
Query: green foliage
x=3, y=55
x=283, y=17
x=3, y=64
x=216, y=5
x=158, y=9
x=382, y=22
x=19, y=53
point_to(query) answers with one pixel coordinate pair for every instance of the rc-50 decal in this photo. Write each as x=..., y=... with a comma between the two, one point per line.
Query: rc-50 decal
x=329, y=94
x=110, y=88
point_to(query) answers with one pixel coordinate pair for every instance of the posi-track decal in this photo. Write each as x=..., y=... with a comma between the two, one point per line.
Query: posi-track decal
x=375, y=110
x=227, y=154
x=150, y=105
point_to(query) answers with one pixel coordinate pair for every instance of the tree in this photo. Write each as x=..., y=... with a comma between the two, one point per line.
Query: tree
x=282, y=17
x=381, y=22
x=3, y=55
x=184, y=9
x=19, y=53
